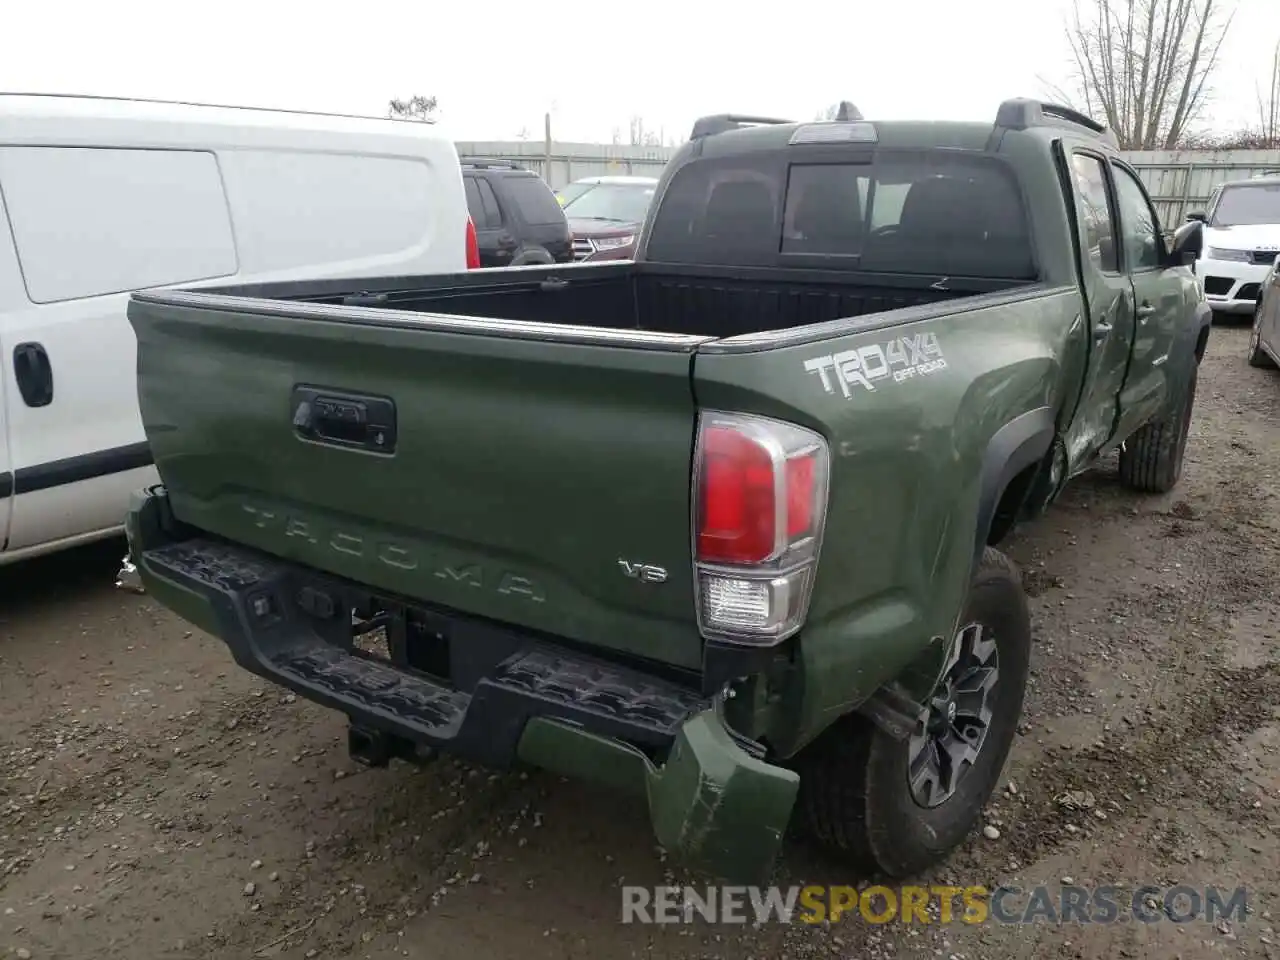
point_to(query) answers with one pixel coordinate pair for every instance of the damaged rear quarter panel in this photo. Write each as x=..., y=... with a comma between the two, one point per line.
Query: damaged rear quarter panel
x=907, y=464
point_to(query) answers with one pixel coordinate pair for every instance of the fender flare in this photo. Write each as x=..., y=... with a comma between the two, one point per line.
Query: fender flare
x=1204, y=313
x=1022, y=442
x=1185, y=354
x=1201, y=331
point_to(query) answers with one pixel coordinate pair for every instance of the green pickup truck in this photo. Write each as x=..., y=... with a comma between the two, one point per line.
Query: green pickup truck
x=716, y=525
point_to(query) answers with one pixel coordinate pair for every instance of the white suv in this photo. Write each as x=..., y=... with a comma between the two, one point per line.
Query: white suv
x=1241, y=242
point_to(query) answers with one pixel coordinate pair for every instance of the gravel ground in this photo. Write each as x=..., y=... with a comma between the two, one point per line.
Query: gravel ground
x=156, y=801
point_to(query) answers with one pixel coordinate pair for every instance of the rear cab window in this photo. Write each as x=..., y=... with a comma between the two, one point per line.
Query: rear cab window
x=537, y=204
x=914, y=212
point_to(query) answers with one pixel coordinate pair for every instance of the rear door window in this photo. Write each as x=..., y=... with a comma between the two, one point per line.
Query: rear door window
x=538, y=205
x=918, y=212
x=489, y=204
x=1097, y=211
x=474, y=207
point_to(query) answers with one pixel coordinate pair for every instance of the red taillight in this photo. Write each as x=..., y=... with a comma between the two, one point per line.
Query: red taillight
x=801, y=488
x=759, y=508
x=739, y=511
x=751, y=485
x=473, y=245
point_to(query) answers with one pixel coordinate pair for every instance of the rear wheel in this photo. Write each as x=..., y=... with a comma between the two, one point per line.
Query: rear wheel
x=900, y=806
x=1257, y=356
x=1151, y=459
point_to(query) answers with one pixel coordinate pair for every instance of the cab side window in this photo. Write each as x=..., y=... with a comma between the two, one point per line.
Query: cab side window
x=1097, y=215
x=1138, y=224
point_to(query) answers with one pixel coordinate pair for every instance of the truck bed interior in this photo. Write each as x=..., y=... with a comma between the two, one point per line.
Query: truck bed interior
x=702, y=301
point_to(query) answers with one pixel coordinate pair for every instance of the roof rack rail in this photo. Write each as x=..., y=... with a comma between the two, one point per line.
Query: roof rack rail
x=1021, y=113
x=724, y=122
x=486, y=162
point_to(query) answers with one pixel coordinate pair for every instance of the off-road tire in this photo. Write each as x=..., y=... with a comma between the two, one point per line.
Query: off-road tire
x=1257, y=356
x=1151, y=459
x=855, y=797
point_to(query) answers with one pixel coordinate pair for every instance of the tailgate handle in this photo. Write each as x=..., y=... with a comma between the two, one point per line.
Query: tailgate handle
x=338, y=418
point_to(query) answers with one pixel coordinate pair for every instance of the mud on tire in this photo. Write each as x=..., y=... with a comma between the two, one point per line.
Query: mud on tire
x=855, y=792
x=1151, y=460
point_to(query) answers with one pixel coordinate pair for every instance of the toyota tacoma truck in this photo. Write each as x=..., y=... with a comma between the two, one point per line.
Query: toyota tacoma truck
x=718, y=525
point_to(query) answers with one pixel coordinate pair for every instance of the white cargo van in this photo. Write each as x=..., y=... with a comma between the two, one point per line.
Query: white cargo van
x=100, y=197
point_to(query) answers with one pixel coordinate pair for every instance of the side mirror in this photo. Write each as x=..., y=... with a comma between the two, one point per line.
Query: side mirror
x=1188, y=244
x=1197, y=215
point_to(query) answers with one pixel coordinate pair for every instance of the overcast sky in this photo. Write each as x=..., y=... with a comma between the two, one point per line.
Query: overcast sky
x=498, y=65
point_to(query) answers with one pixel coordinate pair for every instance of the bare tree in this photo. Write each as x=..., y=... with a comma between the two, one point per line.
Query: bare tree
x=844, y=110
x=1238, y=140
x=1264, y=136
x=642, y=136
x=417, y=107
x=1144, y=66
x=1269, y=103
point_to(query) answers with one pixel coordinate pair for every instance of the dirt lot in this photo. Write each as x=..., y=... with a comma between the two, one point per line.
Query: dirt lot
x=155, y=801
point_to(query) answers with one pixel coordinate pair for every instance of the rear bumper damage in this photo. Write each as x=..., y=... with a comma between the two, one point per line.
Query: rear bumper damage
x=478, y=690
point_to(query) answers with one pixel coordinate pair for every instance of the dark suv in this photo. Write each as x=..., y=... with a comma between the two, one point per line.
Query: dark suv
x=518, y=219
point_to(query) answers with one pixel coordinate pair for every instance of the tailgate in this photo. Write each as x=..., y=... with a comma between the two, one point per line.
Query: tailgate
x=511, y=471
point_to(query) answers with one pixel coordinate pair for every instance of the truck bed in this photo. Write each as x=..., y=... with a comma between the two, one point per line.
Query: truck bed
x=509, y=454
x=658, y=298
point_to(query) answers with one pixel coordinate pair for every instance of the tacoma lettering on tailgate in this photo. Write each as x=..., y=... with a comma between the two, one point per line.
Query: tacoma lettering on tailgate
x=900, y=359
x=397, y=555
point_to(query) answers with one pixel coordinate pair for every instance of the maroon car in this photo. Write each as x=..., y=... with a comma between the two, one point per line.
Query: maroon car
x=605, y=214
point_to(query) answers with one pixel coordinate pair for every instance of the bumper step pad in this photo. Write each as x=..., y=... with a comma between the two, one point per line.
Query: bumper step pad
x=271, y=635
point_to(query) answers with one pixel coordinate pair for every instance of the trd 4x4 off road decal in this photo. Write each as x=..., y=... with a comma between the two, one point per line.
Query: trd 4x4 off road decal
x=899, y=359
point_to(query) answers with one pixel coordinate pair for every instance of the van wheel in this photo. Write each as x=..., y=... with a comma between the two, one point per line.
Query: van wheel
x=1151, y=459
x=898, y=807
x=1257, y=356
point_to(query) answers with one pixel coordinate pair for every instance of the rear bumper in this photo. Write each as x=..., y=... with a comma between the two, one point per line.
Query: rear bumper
x=496, y=696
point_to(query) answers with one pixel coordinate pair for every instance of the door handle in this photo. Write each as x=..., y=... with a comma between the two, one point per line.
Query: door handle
x=1101, y=328
x=34, y=374
x=1145, y=311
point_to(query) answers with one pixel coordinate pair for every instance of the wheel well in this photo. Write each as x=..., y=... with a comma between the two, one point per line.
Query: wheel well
x=531, y=255
x=1202, y=343
x=1010, y=503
